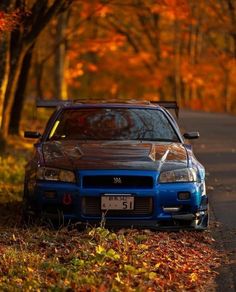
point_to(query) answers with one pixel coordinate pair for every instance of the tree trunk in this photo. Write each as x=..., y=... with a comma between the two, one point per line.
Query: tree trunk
x=232, y=14
x=226, y=90
x=194, y=48
x=60, y=58
x=177, y=60
x=4, y=59
x=4, y=69
x=38, y=73
x=11, y=89
x=18, y=103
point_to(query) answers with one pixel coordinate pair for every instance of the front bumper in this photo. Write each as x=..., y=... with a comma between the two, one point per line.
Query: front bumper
x=187, y=216
x=51, y=199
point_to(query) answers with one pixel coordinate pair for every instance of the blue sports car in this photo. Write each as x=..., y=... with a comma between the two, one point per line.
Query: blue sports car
x=123, y=164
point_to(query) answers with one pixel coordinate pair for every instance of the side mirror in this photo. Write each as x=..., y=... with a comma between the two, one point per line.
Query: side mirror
x=191, y=135
x=30, y=134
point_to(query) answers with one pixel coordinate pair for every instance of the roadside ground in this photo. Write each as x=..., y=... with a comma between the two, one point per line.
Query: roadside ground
x=216, y=150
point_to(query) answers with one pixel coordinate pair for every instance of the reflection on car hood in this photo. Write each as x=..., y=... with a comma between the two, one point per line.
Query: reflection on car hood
x=114, y=155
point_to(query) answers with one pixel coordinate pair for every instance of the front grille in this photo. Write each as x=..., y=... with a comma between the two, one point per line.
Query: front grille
x=109, y=181
x=143, y=206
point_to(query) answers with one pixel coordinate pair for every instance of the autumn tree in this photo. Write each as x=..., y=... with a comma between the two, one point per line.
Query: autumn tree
x=8, y=21
x=172, y=49
x=21, y=42
x=134, y=44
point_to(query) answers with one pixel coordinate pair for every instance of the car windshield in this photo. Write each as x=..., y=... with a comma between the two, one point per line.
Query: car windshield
x=113, y=124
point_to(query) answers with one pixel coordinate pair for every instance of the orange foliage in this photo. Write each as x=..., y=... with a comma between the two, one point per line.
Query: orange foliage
x=8, y=21
x=95, y=8
x=172, y=9
x=135, y=50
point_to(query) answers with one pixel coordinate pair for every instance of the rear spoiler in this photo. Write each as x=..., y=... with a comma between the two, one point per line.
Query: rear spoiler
x=54, y=103
x=168, y=105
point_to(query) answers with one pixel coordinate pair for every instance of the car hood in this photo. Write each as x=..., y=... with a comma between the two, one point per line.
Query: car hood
x=114, y=155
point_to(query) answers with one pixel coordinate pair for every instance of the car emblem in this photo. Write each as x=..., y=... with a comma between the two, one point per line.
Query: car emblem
x=117, y=180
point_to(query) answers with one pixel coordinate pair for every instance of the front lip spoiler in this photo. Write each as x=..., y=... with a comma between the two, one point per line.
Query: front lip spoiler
x=163, y=225
x=187, y=217
x=136, y=224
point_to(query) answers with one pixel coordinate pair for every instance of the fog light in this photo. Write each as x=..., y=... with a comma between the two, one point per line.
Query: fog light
x=50, y=194
x=67, y=199
x=171, y=209
x=184, y=196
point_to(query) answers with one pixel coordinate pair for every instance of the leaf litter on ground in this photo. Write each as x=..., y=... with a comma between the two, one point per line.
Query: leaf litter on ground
x=98, y=259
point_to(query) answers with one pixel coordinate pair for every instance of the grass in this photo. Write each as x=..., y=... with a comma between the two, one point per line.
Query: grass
x=12, y=165
x=96, y=259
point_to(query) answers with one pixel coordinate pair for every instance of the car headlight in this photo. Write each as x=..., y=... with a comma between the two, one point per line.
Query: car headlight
x=55, y=174
x=178, y=175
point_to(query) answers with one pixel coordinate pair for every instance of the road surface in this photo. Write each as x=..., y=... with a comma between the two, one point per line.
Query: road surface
x=216, y=150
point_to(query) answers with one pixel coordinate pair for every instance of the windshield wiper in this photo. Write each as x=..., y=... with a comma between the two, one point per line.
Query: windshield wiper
x=160, y=140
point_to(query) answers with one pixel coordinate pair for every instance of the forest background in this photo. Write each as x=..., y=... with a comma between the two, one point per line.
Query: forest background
x=183, y=50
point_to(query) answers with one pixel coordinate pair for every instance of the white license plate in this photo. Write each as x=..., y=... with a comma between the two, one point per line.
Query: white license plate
x=117, y=202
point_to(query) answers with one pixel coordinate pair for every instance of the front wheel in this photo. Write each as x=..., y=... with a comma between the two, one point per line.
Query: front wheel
x=201, y=222
x=28, y=217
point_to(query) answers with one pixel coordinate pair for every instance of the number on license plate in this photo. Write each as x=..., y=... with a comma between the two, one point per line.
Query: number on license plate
x=117, y=202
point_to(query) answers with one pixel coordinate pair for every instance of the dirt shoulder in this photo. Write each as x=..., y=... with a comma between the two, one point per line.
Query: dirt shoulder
x=216, y=150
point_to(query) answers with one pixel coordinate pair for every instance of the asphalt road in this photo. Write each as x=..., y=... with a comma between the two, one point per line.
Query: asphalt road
x=216, y=150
